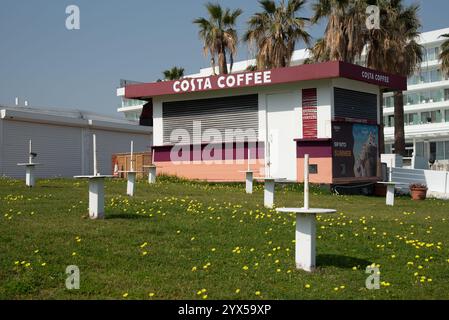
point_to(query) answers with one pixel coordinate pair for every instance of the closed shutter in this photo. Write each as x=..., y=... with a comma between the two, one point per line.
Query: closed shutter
x=355, y=105
x=230, y=113
x=58, y=149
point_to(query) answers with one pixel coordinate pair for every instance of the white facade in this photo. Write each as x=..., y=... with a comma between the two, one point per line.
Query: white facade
x=63, y=141
x=426, y=107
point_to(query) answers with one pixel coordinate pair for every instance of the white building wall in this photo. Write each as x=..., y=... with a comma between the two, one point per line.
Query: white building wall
x=109, y=143
x=63, y=151
x=58, y=149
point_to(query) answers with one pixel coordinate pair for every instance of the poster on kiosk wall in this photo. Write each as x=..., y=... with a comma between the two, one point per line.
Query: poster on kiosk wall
x=355, y=150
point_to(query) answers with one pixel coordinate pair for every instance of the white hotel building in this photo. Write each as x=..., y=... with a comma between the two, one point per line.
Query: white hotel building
x=426, y=104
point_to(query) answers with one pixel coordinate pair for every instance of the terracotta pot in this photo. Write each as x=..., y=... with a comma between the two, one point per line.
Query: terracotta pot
x=380, y=190
x=418, y=193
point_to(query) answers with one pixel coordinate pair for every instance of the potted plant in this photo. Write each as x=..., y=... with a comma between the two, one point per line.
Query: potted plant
x=418, y=191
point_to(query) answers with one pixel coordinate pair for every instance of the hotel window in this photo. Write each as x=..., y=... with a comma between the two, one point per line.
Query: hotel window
x=435, y=76
x=411, y=119
x=446, y=115
x=390, y=121
x=412, y=98
x=414, y=79
x=446, y=152
x=431, y=117
x=440, y=153
x=436, y=95
x=424, y=97
x=446, y=94
x=419, y=152
x=389, y=102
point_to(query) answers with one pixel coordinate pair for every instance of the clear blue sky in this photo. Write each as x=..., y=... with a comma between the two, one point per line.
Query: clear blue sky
x=42, y=61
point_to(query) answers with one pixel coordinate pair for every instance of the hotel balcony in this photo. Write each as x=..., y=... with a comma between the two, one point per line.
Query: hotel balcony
x=427, y=131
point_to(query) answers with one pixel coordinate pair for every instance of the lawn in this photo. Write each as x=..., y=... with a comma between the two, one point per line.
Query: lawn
x=192, y=240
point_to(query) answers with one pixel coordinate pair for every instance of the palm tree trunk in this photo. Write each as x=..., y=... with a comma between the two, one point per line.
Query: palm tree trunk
x=222, y=62
x=213, y=65
x=399, y=131
x=382, y=125
x=381, y=133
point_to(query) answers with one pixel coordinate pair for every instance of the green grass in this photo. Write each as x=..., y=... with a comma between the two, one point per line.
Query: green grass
x=192, y=224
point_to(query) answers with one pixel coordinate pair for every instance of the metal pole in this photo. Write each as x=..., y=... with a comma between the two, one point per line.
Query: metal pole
x=306, y=182
x=30, y=157
x=249, y=158
x=132, y=156
x=95, y=155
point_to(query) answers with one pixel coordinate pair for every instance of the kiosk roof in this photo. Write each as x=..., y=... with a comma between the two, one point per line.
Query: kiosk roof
x=306, y=72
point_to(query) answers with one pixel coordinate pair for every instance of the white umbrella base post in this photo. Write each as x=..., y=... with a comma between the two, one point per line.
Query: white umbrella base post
x=269, y=194
x=390, y=195
x=131, y=184
x=152, y=175
x=305, y=251
x=29, y=177
x=249, y=182
x=305, y=255
x=96, y=199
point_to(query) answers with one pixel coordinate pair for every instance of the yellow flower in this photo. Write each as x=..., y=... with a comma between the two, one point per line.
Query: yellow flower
x=144, y=253
x=73, y=254
x=205, y=297
x=258, y=293
x=354, y=268
x=237, y=291
x=307, y=286
x=245, y=268
x=194, y=269
x=44, y=264
x=144, y=245
x=125, y=295
x=151, y=295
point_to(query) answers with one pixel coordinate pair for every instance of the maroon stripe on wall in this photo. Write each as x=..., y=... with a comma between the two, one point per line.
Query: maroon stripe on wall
x=228, y=152
x=309, y=113
x=314, y=148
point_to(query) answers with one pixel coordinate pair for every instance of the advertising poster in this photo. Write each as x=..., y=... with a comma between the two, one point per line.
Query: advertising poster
x=355, y=150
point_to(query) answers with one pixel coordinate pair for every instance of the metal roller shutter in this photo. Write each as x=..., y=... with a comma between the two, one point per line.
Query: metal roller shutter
x=58, y=149
x=236, y=113
x=355, y=104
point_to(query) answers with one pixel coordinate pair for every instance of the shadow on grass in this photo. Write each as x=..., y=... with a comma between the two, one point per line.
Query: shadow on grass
x=124, y=216
x=343, y=262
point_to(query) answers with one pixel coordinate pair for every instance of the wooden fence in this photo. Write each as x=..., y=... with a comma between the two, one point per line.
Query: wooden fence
x=122, y=162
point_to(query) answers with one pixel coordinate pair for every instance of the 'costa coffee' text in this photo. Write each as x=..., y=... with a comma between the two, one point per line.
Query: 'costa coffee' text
x=222, y=82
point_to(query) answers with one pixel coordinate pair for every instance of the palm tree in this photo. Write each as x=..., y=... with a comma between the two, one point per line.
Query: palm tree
x=444, y=56
x=394, y=49
x=275, y=32
x=344, y=37
x=219, y=35
x=174, y=73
